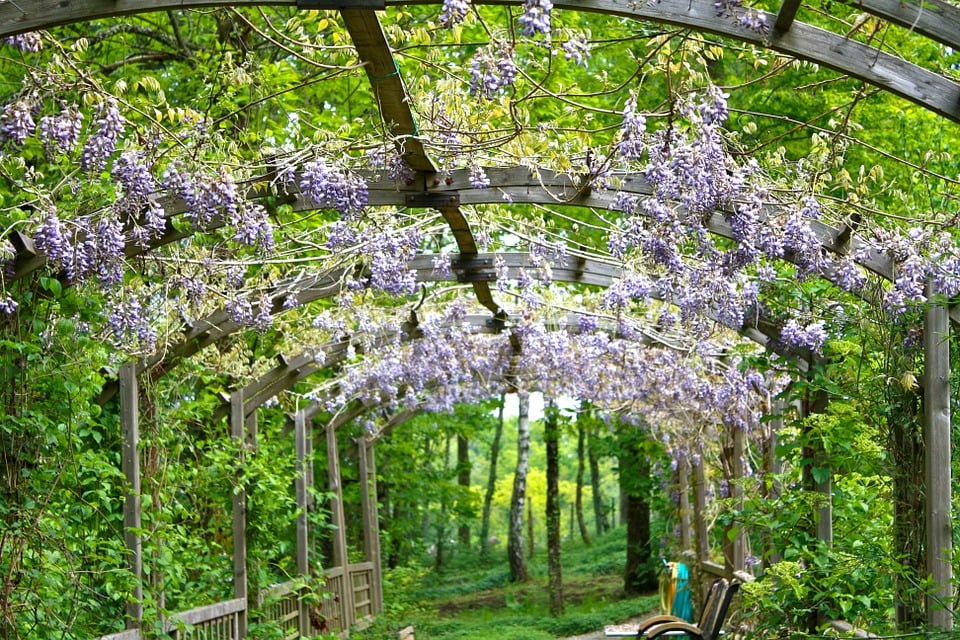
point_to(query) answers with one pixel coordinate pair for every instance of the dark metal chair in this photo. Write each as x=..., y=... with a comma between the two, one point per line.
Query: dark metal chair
x=712, y=615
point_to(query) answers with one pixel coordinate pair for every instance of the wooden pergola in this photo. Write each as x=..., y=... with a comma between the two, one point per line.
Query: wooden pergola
x=934, y=19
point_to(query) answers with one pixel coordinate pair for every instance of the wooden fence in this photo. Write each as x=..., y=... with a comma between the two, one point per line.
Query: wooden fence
x=283, y=606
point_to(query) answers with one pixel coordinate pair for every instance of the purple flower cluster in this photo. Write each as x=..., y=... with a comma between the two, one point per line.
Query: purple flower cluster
x=16, y=122
x=100, y=145
x=633, y=131
x=576, y=49
x=31, y=42
x=7, y=305
x=389, y=253
x=478, y=177
x=329, y=186
x=536, y=17
x=811, y=337
x=61, y=132
x=128, y=321
x=453, y=12
x=492, y=71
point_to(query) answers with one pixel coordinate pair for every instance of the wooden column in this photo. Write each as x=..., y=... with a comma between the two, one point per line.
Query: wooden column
x=340, y=557
x=237, y=431
x=371, y=521
x=303, y=541
x=733, y=472
x=771, y=471
x=683, y=480
x=937, y=460
x=701, y=546
x=130, y=463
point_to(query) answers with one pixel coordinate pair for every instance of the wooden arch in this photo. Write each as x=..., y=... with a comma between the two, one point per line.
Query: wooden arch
x=934, y=19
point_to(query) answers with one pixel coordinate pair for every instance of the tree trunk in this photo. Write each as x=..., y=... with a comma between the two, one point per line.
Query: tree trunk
x=578, y=506
x=463, y=481
x=518, y=564
x=441, y=526
x=599, y=501
x=551, y=437
x=491, y=482
x=640, y=575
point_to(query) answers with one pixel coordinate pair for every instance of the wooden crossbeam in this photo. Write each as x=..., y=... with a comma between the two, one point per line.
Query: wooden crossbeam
x=392, y=99
x=786, y=15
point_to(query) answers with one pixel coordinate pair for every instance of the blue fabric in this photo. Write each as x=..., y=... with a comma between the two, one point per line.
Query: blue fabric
x=682, y=604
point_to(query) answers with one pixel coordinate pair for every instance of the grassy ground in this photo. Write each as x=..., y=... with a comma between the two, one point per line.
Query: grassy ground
x=474, y=599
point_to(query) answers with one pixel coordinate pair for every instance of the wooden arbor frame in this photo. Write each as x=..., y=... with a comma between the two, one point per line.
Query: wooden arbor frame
x=934, y=19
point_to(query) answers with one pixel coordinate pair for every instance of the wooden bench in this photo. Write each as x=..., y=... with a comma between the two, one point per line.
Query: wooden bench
x=712, y=616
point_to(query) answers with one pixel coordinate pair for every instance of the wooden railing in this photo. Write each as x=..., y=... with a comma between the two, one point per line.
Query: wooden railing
x=280, y=605
x=220, y=621
x=361, y=581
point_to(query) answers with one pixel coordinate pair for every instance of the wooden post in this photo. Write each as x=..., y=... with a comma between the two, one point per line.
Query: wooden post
x=340, y=556
x=702, y=550
x=303, y=541
x=237, y=430
x=371, y=523
x=937, y=460
x=771, y=469
x=130, y=462
x=736, y=492
x=683, y=480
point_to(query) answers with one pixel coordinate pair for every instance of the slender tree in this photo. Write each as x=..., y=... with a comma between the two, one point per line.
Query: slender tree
x=463, y=482
x=639, y=573
x=491, y=481
x=578, y=505
x=551, y=436
x=599, y=501
x=518, y=564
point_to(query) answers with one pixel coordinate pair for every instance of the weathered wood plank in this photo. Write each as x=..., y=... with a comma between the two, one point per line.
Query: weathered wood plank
x=130, y=463
x=786, y=15
x=129, y=634
x=238, y=429
x=208, y=613
x=303, y=529
x=937, y=461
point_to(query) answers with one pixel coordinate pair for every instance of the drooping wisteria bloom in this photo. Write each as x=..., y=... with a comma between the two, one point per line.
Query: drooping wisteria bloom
x=536, y=17
x=577, y=49
x=478, y=177
x=16, y=122
x=492, y=70
x=331, y=187
x=61, y=132
x=7, y=305
x=453, y=12
x=108, y=127
x=633, y=131
x=812, y=337
x=31, y=42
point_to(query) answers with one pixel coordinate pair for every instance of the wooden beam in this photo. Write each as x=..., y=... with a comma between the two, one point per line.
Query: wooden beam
x=130, y=462
x=786, y=15
x=937, y=461
x=238, y=428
